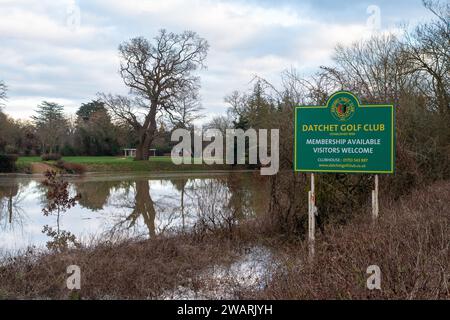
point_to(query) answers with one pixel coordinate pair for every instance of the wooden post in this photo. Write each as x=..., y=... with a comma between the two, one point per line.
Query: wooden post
x=312, y=209
x=375, y=199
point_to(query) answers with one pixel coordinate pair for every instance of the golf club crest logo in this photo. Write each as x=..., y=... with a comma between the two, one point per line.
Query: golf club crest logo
x=343, y=108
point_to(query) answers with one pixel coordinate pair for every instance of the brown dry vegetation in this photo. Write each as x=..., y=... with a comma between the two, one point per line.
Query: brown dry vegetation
x=129, y=270
x=410, y=242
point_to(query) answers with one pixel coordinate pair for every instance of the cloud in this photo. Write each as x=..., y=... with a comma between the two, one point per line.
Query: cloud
x=45, y=56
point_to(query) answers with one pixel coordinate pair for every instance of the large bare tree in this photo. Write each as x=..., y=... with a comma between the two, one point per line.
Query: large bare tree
x=158, y=74
x=372, y=68
x=426, y=49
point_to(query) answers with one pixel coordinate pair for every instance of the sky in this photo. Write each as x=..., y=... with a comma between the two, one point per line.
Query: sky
x=66, y=51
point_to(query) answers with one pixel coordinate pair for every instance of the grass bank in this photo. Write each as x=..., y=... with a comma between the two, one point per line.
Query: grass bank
x=409, y=242
x=120, y=164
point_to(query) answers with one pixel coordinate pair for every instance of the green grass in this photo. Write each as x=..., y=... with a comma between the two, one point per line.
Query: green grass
x=114, y=164
x=23, y=163
x=112, y=160
x=28, y=160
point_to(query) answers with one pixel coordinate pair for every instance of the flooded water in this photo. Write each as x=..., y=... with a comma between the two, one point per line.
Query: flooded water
x=118, y=206
x=252, y=271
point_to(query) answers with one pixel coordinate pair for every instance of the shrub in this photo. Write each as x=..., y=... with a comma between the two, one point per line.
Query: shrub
x=8, y=162
x=74, y=168
x=59, y=163
x=51, y=156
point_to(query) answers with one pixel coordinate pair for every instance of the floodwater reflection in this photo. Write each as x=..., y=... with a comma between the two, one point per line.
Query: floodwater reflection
x=125, y=206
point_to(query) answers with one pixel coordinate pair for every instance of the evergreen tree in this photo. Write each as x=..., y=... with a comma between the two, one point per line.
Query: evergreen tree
x=51, y=125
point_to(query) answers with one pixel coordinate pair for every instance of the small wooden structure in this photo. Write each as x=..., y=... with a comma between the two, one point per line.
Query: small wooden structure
x=131, y=152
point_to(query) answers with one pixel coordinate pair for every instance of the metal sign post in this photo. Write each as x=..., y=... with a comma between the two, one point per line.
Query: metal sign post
x=312, y=211
x=375, y=199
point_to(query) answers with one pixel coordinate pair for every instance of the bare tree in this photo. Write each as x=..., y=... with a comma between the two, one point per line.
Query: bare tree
x=157, y=74
x=221, y=123
x=372, y=68
x=427, y=52
x=184, y=109
x=125, y=110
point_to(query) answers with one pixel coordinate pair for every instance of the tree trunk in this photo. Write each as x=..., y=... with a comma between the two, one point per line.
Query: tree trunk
x=147, y=135
x=144, y=207
x=10, y=208
x=142, y=150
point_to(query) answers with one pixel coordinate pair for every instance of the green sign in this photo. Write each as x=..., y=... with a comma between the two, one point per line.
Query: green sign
x=344, y=136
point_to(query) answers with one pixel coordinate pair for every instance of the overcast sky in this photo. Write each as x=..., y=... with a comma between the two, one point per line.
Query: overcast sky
x=66, y=50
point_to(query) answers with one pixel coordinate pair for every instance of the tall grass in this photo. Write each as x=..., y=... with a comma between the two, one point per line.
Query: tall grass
x=409, y=242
